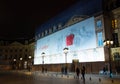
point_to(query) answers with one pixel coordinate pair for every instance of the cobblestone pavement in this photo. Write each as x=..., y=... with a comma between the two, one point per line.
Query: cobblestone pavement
x=89, y=78
x=25, y=77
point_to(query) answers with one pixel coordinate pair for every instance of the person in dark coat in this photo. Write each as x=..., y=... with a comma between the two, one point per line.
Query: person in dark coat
x=77, y=72
x=104, y=70
x=83, y=72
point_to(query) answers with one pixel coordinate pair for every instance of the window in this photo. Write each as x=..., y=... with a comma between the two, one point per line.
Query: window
x=20, y=50
x=26, y=50
x=11, y=50
x=54, y=28
x=1, y=50
x=114, y=23
x=35, y=37
x=10, y=57
x=59, y=26
x=50, y=31
x=39, y=35
x=15, y=50
x=99, y=39
x=46, y=32
x=26, y=42
x=99, y=24
x=5, y=57
x=6, y=50
x=25, y=57
x=42, y=34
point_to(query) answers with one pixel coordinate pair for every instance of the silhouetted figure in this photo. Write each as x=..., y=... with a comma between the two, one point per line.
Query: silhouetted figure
x=77, y=72
x=104, y=70
x=46, y=70
x=65, y=70
x=62, y=70
x=83, y=72
x=43, y=70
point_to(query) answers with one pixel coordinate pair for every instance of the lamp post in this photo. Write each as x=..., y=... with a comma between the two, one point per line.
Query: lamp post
x=14, y=60
x=43, y=55
x=29, y=62
x=65, y=50
x=29, y=57
x=14, y=64
x=108, y=44
x=21, y=62
x=21, y=58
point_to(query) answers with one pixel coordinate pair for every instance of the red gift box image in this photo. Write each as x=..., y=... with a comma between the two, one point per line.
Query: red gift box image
x=69, y=39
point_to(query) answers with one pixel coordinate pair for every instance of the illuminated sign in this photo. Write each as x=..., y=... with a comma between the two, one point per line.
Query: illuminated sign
x=80, y=38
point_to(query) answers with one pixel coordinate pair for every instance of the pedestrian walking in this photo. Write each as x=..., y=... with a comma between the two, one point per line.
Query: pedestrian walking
x=83, y=72
x=77, y=72
x=104, y=70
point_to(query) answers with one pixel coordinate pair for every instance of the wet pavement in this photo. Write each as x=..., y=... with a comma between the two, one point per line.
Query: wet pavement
x=25, y=77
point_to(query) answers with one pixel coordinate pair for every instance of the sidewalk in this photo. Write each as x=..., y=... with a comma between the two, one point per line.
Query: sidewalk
x=93, y=78
x=89, y=78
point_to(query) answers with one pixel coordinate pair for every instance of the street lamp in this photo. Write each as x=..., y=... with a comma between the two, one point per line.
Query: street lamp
x=65, y=50
x=43, y=55
x=29, y=62
x=21, y=62
x=108, y=44
x=29, y=57
x=14, y=60
x=14, y=64
x=21, y=58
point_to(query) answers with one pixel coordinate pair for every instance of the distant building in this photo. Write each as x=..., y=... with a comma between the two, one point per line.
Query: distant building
x=89, y=22
x=14, y=55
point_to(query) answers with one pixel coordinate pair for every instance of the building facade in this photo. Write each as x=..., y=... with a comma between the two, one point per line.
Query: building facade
x=105, y=19
x=16, y=55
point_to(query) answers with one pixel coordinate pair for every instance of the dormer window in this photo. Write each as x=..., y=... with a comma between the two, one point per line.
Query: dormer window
x=46, y=32
x=54, y=28
x=59, y=26
x=36, y=37
x=39, y=35
x=42, y=34
x=50, y=31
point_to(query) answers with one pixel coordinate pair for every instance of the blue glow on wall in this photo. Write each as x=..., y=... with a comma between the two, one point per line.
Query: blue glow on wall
x=78, y=37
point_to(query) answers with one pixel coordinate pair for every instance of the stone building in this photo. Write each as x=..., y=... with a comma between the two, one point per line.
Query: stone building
x=106, y=21
x=16, y=54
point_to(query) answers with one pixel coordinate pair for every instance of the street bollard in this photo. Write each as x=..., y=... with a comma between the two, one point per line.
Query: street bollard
x=112, y=81
x=99, y=79
x=90, y=78
x=67, y=76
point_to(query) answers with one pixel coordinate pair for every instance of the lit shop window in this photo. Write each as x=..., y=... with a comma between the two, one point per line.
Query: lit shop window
x=114, y=23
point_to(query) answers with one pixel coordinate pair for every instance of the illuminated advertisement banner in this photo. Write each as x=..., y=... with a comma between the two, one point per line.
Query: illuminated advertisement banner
x=79, y=38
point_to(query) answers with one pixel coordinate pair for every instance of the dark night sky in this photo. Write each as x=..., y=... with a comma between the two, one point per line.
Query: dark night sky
x=19, y=18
